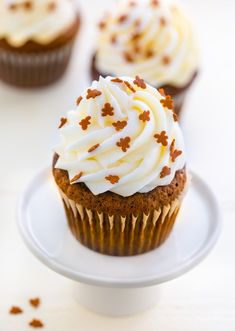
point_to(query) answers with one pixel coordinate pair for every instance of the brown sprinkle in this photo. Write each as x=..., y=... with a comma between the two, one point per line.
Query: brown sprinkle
x=137, y=22
x=175, y=117
x=52, y=6
x=162, y=21
x=122, y=18
x=166, y=60
x=162, y=92
x=140, y=82
x=167, y=102
x=13, y=6
x=63, y=121
x=119, y=125
x=35, y=302
x=161, y=138
x=132, y=3
x=149, y=54
x=129, y=86
x=135, y=36
x=107, y=110
x=112, y=179
x=114, y=39
x=36, y=324
x=15, y=310
x=93, y=148
x=79, y=99
x=166, y=171
x=123, y=143
x=93, y=93
x=128, y=57
x=85, y=122
x=174, y=153
x=77, y=177
x=28, y=5
x=102, y=25
x=117, y=80
x=155, y=3
x=145, y=116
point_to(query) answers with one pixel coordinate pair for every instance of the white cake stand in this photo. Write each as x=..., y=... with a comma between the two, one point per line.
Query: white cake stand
x=116, y=285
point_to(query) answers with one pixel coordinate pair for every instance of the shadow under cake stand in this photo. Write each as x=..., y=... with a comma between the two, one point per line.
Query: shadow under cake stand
x=117, y=285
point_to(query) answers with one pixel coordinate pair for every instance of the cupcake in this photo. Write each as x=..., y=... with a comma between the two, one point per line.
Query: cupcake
x=36, y=40
x=120, y=166
x=150, y=38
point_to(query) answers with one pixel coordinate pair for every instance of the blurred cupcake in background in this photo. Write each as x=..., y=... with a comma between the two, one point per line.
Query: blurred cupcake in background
x=150, y=38
x=120, y=166
x=36, y=40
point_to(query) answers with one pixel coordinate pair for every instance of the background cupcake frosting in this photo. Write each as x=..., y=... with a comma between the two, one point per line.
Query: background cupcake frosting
x=40, y=21
x=123, y=137
x=149, y=37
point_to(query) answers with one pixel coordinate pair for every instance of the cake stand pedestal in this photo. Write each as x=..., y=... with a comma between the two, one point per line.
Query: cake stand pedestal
x=117, y=285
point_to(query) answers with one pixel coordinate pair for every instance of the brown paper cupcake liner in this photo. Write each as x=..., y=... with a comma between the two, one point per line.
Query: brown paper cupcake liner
x=34, y=69
x=117, y=235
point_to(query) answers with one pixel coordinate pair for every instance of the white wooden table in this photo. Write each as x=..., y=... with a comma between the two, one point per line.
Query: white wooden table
x=203, y=299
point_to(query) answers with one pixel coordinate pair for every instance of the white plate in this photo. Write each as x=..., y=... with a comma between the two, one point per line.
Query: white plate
x=43, y=226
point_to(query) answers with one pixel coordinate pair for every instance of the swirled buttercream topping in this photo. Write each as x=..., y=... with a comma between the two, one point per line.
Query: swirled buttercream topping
x=123, y=137
x=150, y=38
x=41, y=21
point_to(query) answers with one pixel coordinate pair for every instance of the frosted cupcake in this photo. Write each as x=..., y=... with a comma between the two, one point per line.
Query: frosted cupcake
x=120, y=167
x=36, y=40
x=150, y=38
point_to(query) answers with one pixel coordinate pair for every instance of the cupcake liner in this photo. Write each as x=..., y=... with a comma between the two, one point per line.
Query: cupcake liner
x=118, y=235
x=34, y=69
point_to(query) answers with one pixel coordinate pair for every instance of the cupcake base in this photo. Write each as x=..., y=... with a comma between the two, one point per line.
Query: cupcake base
x=34, y=65
x=117, y=235
x=178, y=93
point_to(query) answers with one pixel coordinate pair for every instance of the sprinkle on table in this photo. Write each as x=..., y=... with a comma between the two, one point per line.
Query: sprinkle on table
x=166, y=171
x=155, y=3
x=79, y=99
x=93, y=93
x=93, y=148
x=107, y=110
x=162, y=21
x=112, y=179
x=123, y=143
x=13, y=6
x=85, y=122
x=102, y=25
x=63, y=121
x=145, y=116
x=15, y=310
x=149, y=53
x=119, y=125
x=140, y=82
x=168, y=102
x=77, y=177
x=36, y=324
x=114, y=39
x=161, y=138
x=35, y=302
x=27, y=5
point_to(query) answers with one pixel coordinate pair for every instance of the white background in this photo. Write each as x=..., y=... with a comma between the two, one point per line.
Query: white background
x=203, y=299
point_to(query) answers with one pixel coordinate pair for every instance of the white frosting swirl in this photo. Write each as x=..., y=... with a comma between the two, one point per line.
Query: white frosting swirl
x=139, y=168
x=158, y=39
x=42, y=22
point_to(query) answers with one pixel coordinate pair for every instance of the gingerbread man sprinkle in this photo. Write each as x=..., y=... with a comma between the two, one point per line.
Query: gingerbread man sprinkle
x=174, y=153
x=166, y=171
x=107, y=110
x=112, y=179
x=168, y=102
x=119, y=125
x=34, y=302
x=93, y=93
x=161, y=138
x=36, y=324
x=145, y=116
x=140, y=82
x=63, y=121
x=76, y=178
x=123, y=143
x=85, y=122
x=15, y=310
